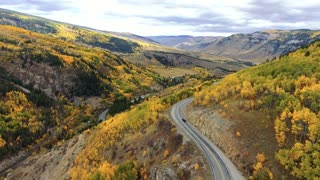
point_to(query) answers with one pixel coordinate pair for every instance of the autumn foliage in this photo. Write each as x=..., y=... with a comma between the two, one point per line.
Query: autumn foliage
x=108, y=134
x=287, y=89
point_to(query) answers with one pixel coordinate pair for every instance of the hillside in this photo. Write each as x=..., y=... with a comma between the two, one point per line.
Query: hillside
x=128, y=46
x=80, y=103
x=216, y=68
x=67, y=68
x=271, y=116
x=57, y=86
x=255, y=47
x=125, y=146
x=116, y=42
x=31, y=120
x=52, y=90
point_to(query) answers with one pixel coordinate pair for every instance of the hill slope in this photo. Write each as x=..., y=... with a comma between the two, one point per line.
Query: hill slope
x=65, y=67
x=129, y=46
x=116, y=42
x=279, y=99
x=54, y=86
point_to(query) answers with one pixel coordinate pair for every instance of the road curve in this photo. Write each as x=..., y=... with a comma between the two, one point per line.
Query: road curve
x=221, y=167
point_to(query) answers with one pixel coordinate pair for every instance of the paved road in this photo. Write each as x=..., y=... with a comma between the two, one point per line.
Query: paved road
x=221, y=167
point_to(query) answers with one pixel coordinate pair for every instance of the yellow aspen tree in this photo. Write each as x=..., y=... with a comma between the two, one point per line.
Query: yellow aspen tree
x=2, y=142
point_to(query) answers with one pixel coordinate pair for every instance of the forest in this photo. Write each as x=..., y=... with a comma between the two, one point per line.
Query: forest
x=33, y=120
x=103, y=158
x=288, y=90
x=26, y=118
x=97, y=72
x=127, y=144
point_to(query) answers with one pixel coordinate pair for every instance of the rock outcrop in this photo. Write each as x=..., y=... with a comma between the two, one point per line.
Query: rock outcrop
x=163, y=173
x=51, y=80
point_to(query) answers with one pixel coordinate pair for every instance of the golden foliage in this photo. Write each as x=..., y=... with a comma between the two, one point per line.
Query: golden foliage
x=288, y=87
x=113, y=130
x=2, y=142
x=196, y=166
x=260, y=157
x=166, y=153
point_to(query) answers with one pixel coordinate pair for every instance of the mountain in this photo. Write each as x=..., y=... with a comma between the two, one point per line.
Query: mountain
x=57, y=66
x=52, y=88
x=56, y=78
x=128, y=46
x=176, y=59
x=184, y=41
x=267, y=118
x=260, y=46
x=115, y=42
x=48, y=84
x=256, y=47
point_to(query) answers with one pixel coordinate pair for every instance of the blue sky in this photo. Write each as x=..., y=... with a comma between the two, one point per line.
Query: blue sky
x=180, y=17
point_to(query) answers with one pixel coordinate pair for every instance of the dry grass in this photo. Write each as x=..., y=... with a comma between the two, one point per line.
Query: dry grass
x=251, y=132
x=255, y=126
x=173, y=72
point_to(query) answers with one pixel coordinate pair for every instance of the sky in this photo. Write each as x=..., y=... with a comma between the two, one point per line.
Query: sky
x=179, y=17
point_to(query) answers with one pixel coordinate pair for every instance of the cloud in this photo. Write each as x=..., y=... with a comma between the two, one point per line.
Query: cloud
x=283, y=11
x=41, y=5
x=201, y=17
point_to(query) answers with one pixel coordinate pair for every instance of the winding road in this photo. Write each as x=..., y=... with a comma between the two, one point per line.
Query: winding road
x=221, y=167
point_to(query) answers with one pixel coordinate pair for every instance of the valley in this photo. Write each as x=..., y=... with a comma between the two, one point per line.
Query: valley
x=81, y=103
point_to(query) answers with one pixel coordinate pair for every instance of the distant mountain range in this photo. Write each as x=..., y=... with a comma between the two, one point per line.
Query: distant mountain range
x=184, y=41
x=256, y=47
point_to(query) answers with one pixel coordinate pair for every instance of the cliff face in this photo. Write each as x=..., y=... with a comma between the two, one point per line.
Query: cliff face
x=51, y=80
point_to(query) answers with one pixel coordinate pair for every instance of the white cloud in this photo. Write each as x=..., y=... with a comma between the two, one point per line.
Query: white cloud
x=167, y=17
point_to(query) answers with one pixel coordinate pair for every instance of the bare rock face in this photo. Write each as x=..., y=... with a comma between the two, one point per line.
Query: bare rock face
x=163, y=173
x=222, y=135
x=52, y=80
x=54, y=164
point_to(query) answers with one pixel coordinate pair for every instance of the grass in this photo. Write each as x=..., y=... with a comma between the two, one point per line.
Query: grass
x=173, y=72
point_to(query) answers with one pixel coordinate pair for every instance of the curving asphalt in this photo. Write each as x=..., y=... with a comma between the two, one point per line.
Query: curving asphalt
x=221, y=167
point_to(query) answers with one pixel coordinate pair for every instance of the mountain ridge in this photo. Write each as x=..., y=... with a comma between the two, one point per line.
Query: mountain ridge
x=256, y=47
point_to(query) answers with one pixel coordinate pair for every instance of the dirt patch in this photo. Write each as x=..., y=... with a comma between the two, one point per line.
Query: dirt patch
x=240, y=134
x=53, y=164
